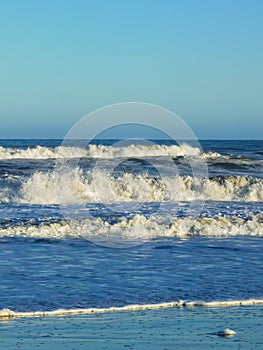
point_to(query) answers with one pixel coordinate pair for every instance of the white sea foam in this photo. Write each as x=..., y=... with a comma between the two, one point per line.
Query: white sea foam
x=40, y=152
x=5, y=195
x=101, y=151
x=7, y=313
x=78, y=187
x=142, y=228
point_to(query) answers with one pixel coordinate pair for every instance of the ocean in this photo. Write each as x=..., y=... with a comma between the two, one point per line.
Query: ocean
x=133, y=235
x=172, y=254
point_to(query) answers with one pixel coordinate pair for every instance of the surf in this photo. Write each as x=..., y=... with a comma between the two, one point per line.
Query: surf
x=77, y=186
x=141, y=228
x=7, y=313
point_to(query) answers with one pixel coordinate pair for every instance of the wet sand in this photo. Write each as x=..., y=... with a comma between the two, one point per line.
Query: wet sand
x=171, y=328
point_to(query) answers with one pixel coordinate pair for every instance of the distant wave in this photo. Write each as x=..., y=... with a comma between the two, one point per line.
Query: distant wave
x=7, y=313
x=142, y=228
x=101, y=151
x=40, y=152
x=78, y=187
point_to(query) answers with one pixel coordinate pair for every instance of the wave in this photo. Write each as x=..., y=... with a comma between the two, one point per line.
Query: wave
x=40, y=152
x=142, y=228
x=5, y=195
x=7, y=313
x=102, y=151
x=100, y=187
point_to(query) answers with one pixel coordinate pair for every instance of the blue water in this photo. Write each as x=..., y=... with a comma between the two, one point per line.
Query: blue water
x=50, y=269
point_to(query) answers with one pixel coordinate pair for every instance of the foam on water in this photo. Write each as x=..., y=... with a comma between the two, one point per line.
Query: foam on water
x=32, y=219
x=78, y=187
x=40, y=152
x=142, y=228
x=7, y=313
x=5, y=195
x=101, y=151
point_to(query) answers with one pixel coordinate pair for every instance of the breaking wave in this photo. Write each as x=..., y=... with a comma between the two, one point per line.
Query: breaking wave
x=101, y=151
x=142, y=228
x=78, y=187
x=7, y=313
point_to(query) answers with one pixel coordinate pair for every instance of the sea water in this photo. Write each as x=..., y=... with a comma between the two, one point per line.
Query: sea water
x=189, y=238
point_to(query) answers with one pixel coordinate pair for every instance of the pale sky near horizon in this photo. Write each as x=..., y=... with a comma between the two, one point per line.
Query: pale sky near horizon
x=63, y=59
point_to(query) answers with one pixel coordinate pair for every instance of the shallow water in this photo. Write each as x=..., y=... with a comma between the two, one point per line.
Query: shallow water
x=193, y=328
x=42, y=274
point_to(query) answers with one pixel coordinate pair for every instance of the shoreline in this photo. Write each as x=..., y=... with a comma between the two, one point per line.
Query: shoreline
x=166, y=328
x=7, y=313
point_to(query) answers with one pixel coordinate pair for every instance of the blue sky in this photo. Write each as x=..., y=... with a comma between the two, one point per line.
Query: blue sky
x=63, y=59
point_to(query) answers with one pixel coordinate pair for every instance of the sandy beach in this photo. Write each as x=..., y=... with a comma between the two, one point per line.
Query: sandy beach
x=186, y=328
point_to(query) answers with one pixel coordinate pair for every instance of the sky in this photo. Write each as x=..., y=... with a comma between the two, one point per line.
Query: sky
x=62, y=59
